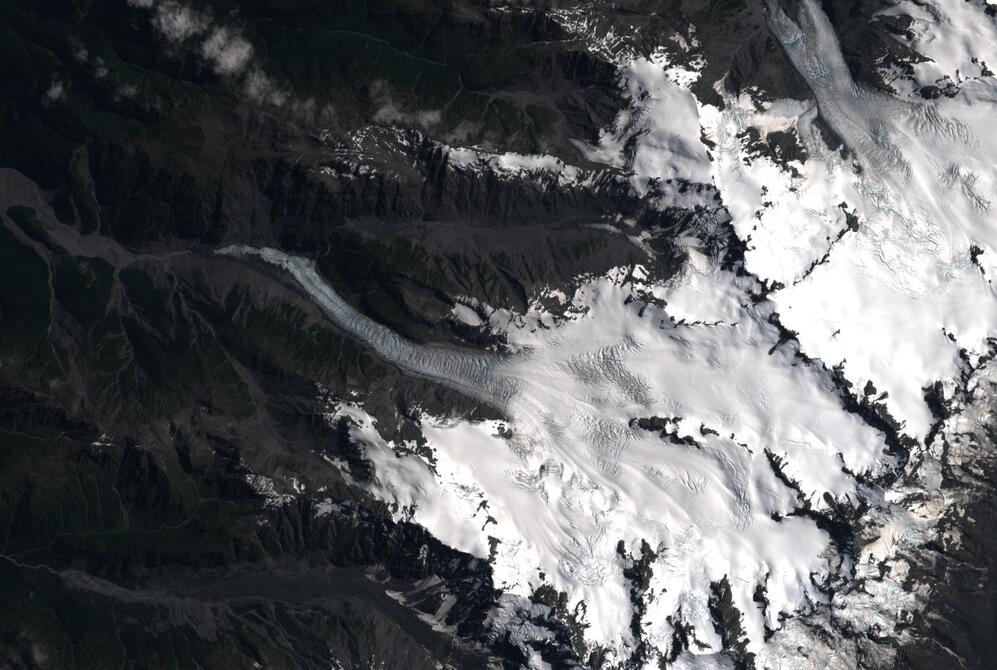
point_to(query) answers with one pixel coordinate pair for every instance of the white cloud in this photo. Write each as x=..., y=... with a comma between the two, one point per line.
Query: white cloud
x=178, y=23
x=56, y=91
x=263, y=89
x=390, y=112
x=231, y=55
x=228, y=53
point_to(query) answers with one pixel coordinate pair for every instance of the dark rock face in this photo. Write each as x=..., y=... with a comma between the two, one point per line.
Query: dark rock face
x=146, y=381
x=960, y=618
x=149, y=448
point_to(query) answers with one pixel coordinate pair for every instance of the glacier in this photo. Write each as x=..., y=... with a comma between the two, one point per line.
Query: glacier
x=572, y=472
x=674, y=418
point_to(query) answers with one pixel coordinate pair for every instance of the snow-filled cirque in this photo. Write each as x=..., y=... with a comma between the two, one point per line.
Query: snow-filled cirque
x=716, y=427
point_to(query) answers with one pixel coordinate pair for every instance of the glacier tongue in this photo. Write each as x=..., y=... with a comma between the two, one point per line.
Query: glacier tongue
x=465, y=370
x=908, y=282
